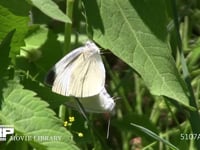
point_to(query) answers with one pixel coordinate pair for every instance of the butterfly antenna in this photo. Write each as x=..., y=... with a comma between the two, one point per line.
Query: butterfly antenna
x=108, y=129
x=81, y=108
x=107, y=52
x=116, y=98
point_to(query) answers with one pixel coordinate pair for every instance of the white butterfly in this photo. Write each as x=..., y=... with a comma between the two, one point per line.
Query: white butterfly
x=99, y=103
x=81, y=74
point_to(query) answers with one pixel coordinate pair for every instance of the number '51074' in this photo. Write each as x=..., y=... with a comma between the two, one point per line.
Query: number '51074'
x=190, y=136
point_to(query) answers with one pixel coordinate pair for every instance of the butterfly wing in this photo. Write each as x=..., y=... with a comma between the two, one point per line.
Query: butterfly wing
x=83, y=77
x=80, y=73
x=60, y=66
x=90, y=79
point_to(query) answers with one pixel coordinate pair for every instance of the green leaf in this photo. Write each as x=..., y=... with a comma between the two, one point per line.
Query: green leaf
x=4, y=52
x=53, y=99
x=50, y=8
x=41, y=52
x=154, y=135
x=31, y=117
x=36, y=37
x=14, y=15
x=33, y=42
x=135, y=31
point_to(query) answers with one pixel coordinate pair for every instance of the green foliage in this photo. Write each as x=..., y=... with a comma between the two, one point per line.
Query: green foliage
x=154, y=78
x=50, y=8
x=4, y=50
x=154, y=135
x=31, y=117
x=14, y=15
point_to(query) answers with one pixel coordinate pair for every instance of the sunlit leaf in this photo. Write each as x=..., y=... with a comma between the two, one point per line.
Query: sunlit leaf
x=30, y=117
x=135, y=31
x=51, y=9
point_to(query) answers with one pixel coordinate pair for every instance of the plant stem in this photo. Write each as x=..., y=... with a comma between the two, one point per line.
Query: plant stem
x=184, y=33
x=138, y=106
x=62, y=110
x=67, y=40
x=194, y=115
x=68, y=26
x=155, y=111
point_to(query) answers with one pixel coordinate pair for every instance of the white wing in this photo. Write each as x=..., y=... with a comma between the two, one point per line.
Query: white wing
x=81, y=78
x=60, y=66
x=81, y=73
x=67, y=60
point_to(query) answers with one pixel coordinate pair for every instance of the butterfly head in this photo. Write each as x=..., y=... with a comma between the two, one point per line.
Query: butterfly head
x=91, y=48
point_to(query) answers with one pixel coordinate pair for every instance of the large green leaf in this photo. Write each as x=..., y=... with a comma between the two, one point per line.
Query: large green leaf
x=50, y=8
x=14, y=15
x=31, y=117
x=135, y=31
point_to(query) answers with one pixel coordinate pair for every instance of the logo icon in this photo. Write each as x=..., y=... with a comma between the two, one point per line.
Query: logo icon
x=4, y=131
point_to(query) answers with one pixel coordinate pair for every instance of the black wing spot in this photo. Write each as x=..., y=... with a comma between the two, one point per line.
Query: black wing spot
x=50, y=77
